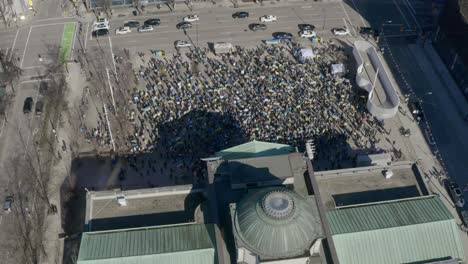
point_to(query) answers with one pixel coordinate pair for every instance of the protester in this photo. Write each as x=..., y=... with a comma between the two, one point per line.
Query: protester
x=263, y=92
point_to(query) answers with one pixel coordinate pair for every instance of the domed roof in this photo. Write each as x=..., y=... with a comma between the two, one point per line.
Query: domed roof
x=276, y=222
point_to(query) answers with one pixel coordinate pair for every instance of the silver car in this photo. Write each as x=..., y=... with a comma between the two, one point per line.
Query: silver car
x=145, y=28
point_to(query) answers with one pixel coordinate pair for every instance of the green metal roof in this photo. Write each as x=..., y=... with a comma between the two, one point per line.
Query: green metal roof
x=276, y=223
x=400, y=231
x=254, y=149
x=181, y=244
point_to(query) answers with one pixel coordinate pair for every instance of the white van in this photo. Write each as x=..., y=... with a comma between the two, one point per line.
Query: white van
x=222, y=47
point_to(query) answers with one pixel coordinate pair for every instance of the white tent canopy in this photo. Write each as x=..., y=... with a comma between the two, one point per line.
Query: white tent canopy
x=306, y=54
x=337, y=68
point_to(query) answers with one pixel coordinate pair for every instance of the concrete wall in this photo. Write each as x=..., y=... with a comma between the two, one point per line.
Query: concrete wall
x=389, y=108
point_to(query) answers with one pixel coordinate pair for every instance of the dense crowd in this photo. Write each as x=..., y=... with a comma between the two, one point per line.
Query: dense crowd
x=198, y=103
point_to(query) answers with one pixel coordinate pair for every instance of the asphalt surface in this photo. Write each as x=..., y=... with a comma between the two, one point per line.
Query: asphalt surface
x=218, y=25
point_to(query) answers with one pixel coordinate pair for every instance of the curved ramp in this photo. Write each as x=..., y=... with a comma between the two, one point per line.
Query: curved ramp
x=373, y=76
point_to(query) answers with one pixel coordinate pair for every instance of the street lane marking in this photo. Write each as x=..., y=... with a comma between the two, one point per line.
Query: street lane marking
x=86, y=36
x=40, y=80
x=359, y=13
x=52, y=24
x=32, y=67
x=57, y=18
x=401, y=12
x=113, y=59
x=14, y=43
x=412, y=13
x=25, y=47
x=346, y=13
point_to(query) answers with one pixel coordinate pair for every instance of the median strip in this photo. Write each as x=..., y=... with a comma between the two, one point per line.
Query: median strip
x=67, y=42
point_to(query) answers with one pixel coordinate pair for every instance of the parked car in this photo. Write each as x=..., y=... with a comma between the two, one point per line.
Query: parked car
x=100, y=26
x=184, y=25
x=101, y=21
x=282, y=35
x=145, y=28
x=101, y=32
x=429, y=137
x=123, y=30
x=28, y=104
x=268, y=18
x=307, y=34
x=464, y=217
x=455, y=193
x=417, y=111
x=7, y=204
x=182, y=44
x=340, y=31
x=43, y=88
x=369, y=31
x=241, y=14
x=191, y=18
x=306, y=27
x=132, y=24
x=153, y=22
x=257, y=26
x=39, y=107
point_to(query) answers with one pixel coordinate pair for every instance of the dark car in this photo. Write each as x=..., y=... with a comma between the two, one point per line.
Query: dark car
x=282, y=35
x=43, y=88
x=184, y=25
x=429, y=137
x=39, y=107
x=417, y=111
x=369, y=31
x=101, y=32
x=241, y=14
x=455, y=193
x=257, y=26
x=153, y=22
x=303, y=27
x=7, y=204
x=132, y=24
x=28, y=104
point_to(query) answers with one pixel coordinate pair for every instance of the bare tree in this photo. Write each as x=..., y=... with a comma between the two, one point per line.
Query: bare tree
x=6, y=12
x=11, y=70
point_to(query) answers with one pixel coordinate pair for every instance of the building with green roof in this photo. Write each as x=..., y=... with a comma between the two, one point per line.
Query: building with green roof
x=275, y=223
x=174, y=244
x=254, y=149
x=415, y=230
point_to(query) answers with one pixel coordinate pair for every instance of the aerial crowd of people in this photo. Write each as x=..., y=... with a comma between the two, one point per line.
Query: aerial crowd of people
x=196, y=104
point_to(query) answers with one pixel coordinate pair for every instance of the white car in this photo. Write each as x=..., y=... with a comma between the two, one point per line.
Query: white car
x=98, y=26
x=340, y=31
x=101, y=21
x=268, y=18
x=307, y=34
x=123, y=30
x=182, y=44
x=145, y=28
x=191, y=18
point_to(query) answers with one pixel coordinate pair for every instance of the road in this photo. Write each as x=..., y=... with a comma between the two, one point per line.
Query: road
x=40, y=35
x=218, y=25
x=418, y=72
